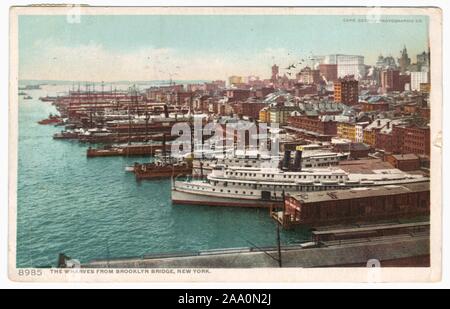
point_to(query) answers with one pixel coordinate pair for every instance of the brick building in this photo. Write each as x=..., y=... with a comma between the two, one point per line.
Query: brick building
x=322, y=125
x=375, y=104
x=346, y=91
x=263, y=92
x=403, y=80
x=249, y=109
x=390, y=80
x=337, y=207
x=425, y=113
x=309, y=76
x=184, y=97
x=411, y=139
x=235, y=95
x=329, y=71
x=404, y=162
x=356, y=150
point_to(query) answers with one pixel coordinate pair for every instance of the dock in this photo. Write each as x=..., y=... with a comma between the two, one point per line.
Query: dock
x=393, y=245
x=394, y=251
x=127, y=150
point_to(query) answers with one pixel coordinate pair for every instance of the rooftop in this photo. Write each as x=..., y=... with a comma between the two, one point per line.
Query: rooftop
x=405, y=157
x=367, y=166
x=325, y=196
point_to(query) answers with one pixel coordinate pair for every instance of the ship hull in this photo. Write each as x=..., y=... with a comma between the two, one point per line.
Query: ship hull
x=186, y=198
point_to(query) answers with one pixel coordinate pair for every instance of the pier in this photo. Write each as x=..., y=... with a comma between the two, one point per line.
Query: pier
x=127, y=150
x=408, y=247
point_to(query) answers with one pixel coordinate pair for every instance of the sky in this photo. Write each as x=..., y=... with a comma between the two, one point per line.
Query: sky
x=188, y=47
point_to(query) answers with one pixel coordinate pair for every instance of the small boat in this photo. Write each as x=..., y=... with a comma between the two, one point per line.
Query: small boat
x=161, y=170
x=27, y=97
x=51, y=120
x=129, y=169
x=48, y=99
x=30, y=87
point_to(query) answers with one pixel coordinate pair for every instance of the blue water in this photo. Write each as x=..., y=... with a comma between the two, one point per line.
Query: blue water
x=92, y=208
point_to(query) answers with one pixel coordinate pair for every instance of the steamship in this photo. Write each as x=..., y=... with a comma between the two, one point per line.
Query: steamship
x=255, y=159
x=264, y=187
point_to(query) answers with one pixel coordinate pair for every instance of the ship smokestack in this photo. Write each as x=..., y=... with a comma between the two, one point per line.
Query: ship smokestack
x=164, y=146
x=166, y=111
x=287, y=160
x=298, y=160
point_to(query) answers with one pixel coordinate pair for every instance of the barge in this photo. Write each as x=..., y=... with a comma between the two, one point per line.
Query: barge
x=160, y=170
x=127, y=150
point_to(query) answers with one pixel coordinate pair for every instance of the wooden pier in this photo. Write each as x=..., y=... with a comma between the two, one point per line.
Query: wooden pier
x=127, y=150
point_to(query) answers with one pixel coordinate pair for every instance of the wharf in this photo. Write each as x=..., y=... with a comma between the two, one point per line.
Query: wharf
x=392, y=251
x=128, y=150
x=113, y=138
x=393, y=244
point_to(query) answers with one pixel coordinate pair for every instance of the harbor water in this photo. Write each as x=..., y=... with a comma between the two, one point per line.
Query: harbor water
x=92, y=208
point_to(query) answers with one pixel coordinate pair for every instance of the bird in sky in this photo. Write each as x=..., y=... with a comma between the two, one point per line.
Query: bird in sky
x=292, y=66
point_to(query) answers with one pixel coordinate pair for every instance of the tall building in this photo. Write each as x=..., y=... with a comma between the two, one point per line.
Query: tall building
x=390, y=81
x=329, y=71
x=234, y=80
x=309, y=76
x=418, y=78
x=423, y=61
x=404, y=61
x=404, y=82
x=346, y=91
x=386, y=62
x=348, y=65
x=275, y=72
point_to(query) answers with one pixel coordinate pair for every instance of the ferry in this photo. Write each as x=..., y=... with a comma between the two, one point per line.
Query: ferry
x=264, y=187
x=310, y=159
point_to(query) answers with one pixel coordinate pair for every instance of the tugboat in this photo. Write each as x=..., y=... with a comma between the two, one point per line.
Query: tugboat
x=163, y=167
x=48, y=99
x=68, y=134
x=52, y=119
x=160, y=169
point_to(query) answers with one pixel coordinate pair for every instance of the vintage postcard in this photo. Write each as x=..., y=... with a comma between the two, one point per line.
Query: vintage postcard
x=225, y=144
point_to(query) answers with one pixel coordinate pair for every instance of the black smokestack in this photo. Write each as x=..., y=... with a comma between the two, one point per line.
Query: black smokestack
x=298, y=160
x=166, y=111
x=164, y=145
x=287, y=160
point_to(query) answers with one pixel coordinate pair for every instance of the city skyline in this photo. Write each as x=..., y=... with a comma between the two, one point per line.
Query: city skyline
x=112, y=48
